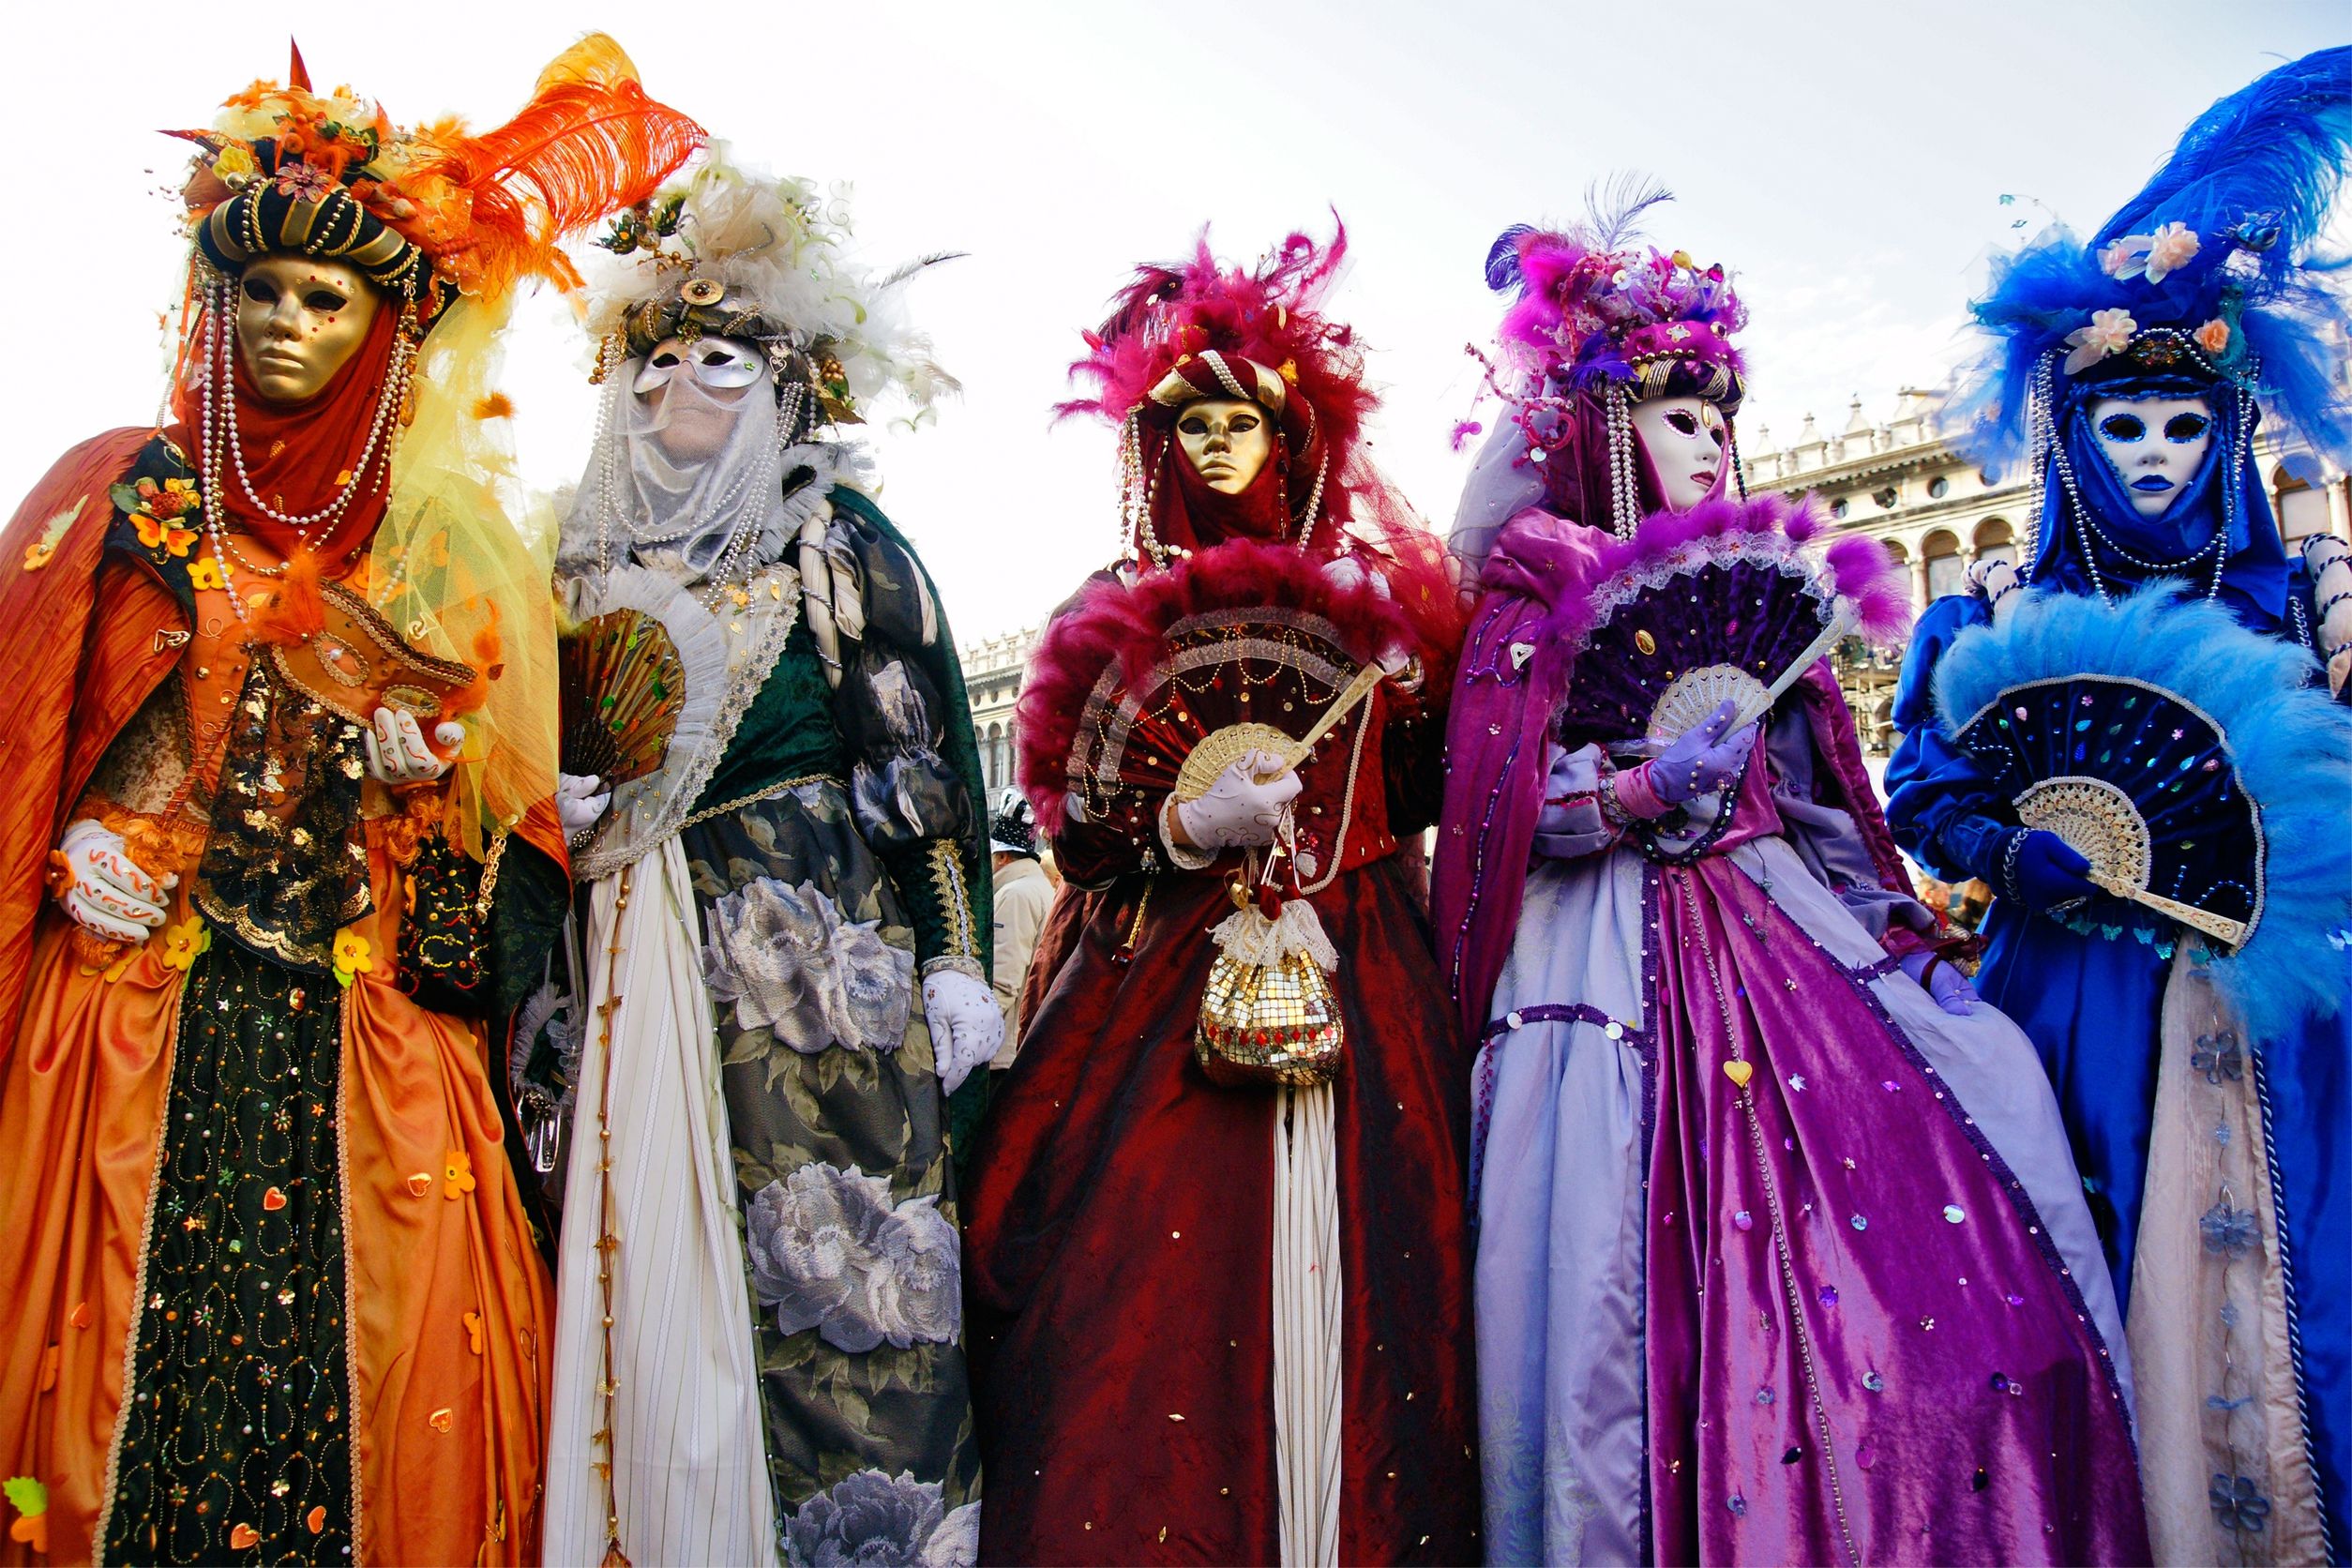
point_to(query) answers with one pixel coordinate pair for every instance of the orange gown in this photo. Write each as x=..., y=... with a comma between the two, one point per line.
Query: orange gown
x=447, y=1299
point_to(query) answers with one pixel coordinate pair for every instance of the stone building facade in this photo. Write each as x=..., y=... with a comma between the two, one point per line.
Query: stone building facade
x=1898, y=480
x=1901, y=482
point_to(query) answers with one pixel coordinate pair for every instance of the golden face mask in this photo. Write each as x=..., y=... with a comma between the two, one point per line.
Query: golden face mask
x=299, y=320
x=1226, y=441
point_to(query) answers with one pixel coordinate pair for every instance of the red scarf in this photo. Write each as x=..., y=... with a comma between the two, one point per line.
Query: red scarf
x=295, y=454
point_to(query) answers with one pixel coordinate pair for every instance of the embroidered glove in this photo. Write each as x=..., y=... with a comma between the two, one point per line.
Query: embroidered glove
x=103, y=890
x=1240, y=809
x=579, y=803
x=1948, y=988
x=397, y=753
x=2042, y=873
x=967, y=1026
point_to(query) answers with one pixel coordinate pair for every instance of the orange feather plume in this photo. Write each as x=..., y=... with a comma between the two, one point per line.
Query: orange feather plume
x=296, y=610
x=588, y=143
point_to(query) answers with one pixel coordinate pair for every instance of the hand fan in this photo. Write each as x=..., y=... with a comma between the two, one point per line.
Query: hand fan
x=622, y=685
x=1160, y=684
x=1723, y=602
x=2200, y=767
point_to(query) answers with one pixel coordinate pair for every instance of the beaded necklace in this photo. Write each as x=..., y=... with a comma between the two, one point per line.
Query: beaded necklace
x=220, y=448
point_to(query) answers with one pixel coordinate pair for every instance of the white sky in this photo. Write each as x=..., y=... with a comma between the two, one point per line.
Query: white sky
x=1845, y=161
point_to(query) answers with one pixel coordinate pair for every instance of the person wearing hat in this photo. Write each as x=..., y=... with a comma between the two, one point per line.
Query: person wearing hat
x=1023, y=895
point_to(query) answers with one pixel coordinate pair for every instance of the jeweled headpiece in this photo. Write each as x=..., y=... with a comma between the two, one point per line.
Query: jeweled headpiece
x=730, y=253
x=1600, y=322
x=2202, y=279
x=1201, y=328
x=431, y=213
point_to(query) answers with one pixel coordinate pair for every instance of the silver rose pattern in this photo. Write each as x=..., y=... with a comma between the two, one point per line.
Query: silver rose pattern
x=869, y=1519
x=784, y=958
x=830, y=1252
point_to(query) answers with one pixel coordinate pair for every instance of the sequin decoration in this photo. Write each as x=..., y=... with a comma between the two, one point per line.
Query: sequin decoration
x=238, y=1405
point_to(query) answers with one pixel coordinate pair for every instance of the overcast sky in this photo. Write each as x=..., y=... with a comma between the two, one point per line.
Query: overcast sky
x=1845, y=161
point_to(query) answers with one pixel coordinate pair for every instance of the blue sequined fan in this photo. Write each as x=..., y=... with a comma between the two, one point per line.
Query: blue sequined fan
x=2140, y=783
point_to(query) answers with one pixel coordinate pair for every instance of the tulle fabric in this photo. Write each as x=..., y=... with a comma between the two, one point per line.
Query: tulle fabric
x=681, y=511
x=460, y=567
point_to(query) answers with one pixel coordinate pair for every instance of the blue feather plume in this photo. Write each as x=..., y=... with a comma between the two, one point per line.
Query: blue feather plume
x=2290, y=744
x=2254, y=178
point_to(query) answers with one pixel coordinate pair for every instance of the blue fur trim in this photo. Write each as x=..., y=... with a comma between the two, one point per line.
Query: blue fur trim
x=2290, y=744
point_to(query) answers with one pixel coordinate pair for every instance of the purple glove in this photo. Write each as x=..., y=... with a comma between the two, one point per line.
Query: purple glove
x=2041, y=872
x=1945, y=984
x=1698, y=761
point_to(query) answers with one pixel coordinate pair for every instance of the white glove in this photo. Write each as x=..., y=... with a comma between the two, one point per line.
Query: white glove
x=579, y=803
x=397, y=753
x=1241, y=810
x=967, y=1026
x=109, y=895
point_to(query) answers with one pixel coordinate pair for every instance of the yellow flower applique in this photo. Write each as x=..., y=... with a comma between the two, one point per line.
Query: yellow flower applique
x=352, y=959
x=184, y=942
x=204, y=573
x=456, y=1173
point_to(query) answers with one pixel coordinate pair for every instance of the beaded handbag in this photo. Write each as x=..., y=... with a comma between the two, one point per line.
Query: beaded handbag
x=1270, y=1012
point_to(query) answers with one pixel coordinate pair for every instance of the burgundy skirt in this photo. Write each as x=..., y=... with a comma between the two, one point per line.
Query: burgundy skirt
x=1119, y=1240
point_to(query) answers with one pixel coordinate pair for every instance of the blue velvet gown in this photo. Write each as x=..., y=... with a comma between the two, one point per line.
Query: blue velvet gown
x=2090, y=1000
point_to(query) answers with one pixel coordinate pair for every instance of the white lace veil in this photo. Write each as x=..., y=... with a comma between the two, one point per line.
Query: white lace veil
x=681, y=515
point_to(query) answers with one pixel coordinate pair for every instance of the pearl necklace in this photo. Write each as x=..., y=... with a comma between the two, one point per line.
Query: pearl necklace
x=220, y=447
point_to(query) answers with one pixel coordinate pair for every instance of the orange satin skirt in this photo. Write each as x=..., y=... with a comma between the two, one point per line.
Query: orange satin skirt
x=452, y=1305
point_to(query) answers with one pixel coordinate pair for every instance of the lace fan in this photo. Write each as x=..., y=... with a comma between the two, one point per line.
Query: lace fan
x=1724, y=601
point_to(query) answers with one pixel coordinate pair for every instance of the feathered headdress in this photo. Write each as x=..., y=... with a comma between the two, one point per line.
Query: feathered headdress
x=2206, y=274
x=731, y=253
x=1182, y=331
x=1595, y=309
x=434, y=212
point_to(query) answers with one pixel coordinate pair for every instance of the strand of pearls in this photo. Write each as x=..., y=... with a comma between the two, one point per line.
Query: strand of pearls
x=1624, y=488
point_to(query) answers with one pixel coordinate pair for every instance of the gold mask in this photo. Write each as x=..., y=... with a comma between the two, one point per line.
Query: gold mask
x=299, y=321
x=1226, y=441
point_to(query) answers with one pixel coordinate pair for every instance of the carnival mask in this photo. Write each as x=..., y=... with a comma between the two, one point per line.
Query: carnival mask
x=2156, y=444
x=1686, y=438
x=299, y=320
x=1226, y=441
x=692, y=392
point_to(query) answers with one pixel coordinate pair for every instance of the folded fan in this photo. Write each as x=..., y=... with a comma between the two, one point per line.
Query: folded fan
x=622, y=686
x=1159, y=686
x=1724, y=601
x=2202, y=769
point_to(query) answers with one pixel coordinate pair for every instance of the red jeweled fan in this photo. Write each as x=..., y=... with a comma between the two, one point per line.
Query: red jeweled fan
x=1159, y=686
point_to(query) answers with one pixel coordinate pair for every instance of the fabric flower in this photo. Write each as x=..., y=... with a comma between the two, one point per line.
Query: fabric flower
x=2170, y=249
x=305, y=182
x=2238, y=1503
x=234, y=165
x=352, y=959
x=784, y=958
x=456, y=1174
x=2109, y=332
x=185, y=941
x=2228, y=1229
x=159, y=533
x=30, y=1499
x=870, y=1517
x=2213, y=336
x=830, y=1252
x=204, y=573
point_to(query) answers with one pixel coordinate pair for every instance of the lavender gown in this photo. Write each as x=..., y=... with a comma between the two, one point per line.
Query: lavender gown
x=1856, y=1312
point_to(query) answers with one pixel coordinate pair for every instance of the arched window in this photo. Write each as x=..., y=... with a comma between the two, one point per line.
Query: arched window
x=1946, y=572
x=1995, y=542
x=2303, y=510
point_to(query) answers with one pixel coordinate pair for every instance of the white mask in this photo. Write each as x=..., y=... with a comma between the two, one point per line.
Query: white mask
x=1686, y=438
x=2157, y=445
x=718, y=363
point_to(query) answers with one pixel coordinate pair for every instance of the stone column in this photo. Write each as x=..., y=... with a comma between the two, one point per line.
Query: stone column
x=2340, y=509
x=1919, y=583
